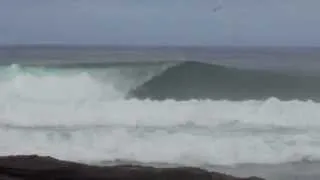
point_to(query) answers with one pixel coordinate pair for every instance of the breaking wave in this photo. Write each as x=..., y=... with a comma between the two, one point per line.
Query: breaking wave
x=194, y=80
x=162, y=112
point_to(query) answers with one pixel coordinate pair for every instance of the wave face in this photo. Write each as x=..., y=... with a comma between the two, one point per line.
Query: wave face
x=101, y=114
x=194, y=80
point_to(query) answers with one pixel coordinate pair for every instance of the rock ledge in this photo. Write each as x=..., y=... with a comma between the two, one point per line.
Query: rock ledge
x=33, y=167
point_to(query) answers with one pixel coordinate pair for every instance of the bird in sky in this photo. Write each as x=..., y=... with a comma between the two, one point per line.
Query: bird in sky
x=218, y=7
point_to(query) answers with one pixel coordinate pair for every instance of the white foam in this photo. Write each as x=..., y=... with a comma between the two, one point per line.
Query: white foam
x=92, y=111
x=161, y=146
x=78, y=117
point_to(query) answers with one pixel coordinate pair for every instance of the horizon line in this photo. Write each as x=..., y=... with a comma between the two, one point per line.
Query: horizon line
x=62, y=45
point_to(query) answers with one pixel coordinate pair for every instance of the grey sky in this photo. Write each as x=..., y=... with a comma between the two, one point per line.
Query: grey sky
x=182, y=22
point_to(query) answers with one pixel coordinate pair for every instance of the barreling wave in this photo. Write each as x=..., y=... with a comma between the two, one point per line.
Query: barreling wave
x=65, y=111
x=195, y=80
x=174, y=80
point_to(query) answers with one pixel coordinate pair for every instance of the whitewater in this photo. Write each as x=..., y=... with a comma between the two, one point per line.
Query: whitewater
x=90, y=115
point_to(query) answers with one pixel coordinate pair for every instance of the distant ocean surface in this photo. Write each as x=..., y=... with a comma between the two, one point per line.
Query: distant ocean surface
x=197, y=106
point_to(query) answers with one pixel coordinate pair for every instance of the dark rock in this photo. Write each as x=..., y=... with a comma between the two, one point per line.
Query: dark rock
x=47, y=168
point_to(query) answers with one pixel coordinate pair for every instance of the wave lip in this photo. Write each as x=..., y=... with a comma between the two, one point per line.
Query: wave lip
x=195, y=80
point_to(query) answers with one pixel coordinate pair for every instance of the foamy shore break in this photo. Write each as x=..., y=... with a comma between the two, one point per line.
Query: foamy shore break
x=33, y=167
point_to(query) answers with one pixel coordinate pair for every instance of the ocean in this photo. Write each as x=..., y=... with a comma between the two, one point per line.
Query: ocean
x=242, y=110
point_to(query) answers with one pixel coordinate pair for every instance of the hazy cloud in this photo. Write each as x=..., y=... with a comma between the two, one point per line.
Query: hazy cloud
x=248, y=22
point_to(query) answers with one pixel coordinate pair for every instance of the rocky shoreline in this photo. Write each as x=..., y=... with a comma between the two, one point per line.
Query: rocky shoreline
x=33, y=167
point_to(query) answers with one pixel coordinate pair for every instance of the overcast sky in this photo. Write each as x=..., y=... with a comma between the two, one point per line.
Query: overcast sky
x=160, y=22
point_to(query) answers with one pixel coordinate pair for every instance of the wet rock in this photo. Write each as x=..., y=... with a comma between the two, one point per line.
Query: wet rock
x=39, y=168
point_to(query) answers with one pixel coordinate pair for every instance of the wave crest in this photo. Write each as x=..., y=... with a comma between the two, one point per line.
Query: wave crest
x=195, y=80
